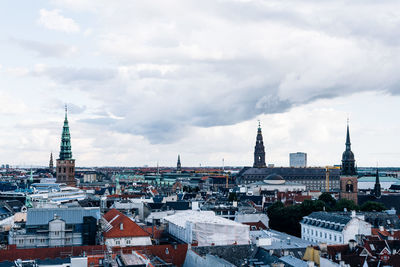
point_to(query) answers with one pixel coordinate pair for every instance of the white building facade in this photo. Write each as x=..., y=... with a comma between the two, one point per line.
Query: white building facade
x=331, y=228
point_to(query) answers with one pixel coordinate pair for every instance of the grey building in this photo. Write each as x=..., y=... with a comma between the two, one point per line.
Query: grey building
x=56, y=227
x=312, y=178
x=298, y=160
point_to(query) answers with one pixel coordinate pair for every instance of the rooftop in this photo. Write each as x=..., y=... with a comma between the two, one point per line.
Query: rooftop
x=181, y=218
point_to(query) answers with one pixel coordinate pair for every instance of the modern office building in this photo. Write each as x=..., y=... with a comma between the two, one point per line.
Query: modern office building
x=298, y=160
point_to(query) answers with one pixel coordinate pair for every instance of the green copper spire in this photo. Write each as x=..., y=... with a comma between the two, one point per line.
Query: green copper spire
x=65, y=148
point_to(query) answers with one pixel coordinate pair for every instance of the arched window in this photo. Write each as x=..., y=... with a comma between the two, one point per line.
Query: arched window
x=349, y=186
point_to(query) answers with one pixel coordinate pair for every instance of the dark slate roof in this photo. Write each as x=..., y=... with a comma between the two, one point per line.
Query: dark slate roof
x=286, y=172
x=326, y=220
x=69, y=215
x=256, y=199
x=178, y=205
x=235, y=254
x=155, y=206
x=376, y=219
x=16, y=205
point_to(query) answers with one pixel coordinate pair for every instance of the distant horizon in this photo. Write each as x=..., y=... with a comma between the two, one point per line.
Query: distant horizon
x=186, y=167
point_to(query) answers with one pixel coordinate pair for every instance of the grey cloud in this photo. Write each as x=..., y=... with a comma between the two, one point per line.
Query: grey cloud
x=233, y=60
x=45, y=49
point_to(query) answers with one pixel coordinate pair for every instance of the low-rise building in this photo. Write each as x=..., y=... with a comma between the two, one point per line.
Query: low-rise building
x=333, y=228
x=120, y=231
x=56, y=227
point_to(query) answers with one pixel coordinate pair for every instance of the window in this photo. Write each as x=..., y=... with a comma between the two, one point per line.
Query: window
x=334, y=237
x=320, y=234
x=56, y=233
x=330, y=236
x=117, y=242
x=31, y=241
x=128, y=241
x=325, y=236
x=340, y=239
x=20, y=241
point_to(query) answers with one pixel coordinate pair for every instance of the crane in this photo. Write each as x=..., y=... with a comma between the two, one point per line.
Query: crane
x=327, y=169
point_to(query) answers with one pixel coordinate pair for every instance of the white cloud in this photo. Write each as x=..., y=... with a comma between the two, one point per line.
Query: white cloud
x=53, y=20
x=160, y=77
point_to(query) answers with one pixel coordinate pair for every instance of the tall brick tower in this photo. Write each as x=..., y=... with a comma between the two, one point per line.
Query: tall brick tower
x=348, y=175
x=259, y=150
x=65, y=163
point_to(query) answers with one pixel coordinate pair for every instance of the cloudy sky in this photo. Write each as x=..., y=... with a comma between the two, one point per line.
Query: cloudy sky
x=146, y=80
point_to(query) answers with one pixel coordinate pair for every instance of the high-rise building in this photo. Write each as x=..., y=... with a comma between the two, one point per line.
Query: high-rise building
x=259, y=150
x=65, y=168
x=348, y=175
x=298, y=160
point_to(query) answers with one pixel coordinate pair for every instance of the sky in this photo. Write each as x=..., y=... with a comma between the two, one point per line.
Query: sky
x=145, y=81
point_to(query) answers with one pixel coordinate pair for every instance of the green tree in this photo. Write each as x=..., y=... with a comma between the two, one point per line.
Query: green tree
x=345, y=203
x=329, y=201
x=372, y=206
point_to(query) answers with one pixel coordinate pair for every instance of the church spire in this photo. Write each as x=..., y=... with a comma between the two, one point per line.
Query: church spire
x=348, y=143
x=178, y=164
x=65, y=147
x=51, y=164
x=348, y=161
x=259, y=150
x=377, y=188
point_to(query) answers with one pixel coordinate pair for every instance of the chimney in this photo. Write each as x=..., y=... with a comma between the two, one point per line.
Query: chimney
x=353, y=214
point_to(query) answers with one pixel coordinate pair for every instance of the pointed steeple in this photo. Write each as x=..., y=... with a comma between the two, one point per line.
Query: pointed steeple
x=259, y=150
x=377, y=188
x=178, y=164
x=51, y=164
x=348, y=143
x=65, y=147
x=348, y=161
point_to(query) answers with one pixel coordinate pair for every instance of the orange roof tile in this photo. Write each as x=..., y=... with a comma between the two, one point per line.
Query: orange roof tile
x=129, y=228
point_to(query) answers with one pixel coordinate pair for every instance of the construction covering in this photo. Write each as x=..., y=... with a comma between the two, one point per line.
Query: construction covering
x=207, y=229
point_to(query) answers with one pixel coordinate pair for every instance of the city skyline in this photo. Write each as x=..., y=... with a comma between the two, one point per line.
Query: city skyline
x=144, y=86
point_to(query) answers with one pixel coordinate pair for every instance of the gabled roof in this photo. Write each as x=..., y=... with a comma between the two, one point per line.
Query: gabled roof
x=129, y=228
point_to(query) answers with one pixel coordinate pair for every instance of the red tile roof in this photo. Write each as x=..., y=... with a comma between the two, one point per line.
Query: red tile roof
x=129, y=227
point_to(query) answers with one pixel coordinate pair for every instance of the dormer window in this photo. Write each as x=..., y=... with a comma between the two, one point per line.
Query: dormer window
x=121, y=226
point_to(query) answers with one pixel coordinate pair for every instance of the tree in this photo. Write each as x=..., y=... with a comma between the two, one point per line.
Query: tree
x=346, y=204
x=373, y=206
x=329, y=201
